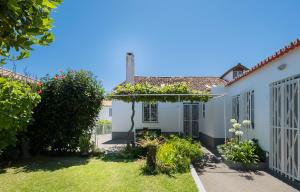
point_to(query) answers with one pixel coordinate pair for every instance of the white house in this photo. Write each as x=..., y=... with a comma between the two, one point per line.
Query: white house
x=106, y=111
x=267, y=94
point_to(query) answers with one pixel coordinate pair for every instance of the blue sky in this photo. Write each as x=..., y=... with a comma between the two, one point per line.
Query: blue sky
x=168, y=37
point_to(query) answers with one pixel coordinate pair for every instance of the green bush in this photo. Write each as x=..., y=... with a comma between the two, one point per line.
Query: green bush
x=70, y=103
x=176, y=154
x=247, y=152
x=17, y=101
x=104, y=122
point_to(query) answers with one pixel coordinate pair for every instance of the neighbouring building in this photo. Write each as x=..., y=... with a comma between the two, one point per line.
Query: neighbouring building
x=268, y=94
x=106, y=111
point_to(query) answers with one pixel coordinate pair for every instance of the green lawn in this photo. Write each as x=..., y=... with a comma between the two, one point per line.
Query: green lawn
x=80, y=174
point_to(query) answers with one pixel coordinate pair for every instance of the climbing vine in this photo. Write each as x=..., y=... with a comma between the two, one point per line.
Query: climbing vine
x=164, y=93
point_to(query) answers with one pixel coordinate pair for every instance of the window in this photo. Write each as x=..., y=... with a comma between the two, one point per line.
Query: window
x=237, y=73
x=150, y=112
x=236, y=107
x=110, y=112
x=203, y=110
x=249, y=106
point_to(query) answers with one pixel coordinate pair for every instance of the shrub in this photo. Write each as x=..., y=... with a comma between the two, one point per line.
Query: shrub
x=244, y=151
x=150, y=143
x=17, y=101
x=247, y=152
x=70, y=104
x=176, y=154
x=104, y=122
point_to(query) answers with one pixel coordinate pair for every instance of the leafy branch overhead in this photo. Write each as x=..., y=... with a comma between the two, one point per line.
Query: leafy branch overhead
x=164, y=93
x=24, y=23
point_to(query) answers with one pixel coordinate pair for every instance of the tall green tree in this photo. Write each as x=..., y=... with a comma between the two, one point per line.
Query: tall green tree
x=24, y=23
x=70, y=104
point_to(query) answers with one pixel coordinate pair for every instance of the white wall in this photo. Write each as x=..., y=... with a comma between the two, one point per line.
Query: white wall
x=104, y=113
x=259, y=81
x=229, y=76
x=213, y=124
x=168, y=117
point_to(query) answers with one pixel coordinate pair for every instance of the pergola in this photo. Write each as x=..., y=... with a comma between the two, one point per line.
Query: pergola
x=169, y=98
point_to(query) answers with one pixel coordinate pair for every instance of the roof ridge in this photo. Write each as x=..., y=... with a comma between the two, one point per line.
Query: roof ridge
x=278, y=54
x=179, y=76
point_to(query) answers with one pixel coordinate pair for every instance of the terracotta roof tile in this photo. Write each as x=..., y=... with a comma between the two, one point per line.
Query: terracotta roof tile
x=16, y=76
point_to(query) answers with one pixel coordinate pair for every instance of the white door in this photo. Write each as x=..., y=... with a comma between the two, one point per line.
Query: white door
x=191, y=120
x=285, y=137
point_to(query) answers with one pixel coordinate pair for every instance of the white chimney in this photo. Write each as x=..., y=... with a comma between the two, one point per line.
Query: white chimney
x=130, y=68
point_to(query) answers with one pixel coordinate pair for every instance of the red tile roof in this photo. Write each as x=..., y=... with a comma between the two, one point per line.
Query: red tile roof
x=107, y=103
x=195, y=83
x=293, y=45
x=16, y=76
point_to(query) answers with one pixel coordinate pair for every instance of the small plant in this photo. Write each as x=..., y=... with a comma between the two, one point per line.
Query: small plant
x=244, y=152
x=85, y=144
x=176, y=154
x=150, y=143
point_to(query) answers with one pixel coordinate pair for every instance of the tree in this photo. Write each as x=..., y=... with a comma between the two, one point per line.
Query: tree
x=17, y=101
x=70, y=103
x=149, y=93
x=24, y=23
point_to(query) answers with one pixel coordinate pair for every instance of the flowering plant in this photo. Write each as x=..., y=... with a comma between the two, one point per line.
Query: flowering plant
x=246, y=151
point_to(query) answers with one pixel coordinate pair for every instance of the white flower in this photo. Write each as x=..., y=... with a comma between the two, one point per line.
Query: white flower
x=233, y=121
x=162, y=85
x=232, y=130
x=239, y=133
x=246, y=122
x=236, y=126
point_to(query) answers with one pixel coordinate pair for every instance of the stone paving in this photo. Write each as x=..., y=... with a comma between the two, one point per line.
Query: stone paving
x=218, y=177
x=105, y=143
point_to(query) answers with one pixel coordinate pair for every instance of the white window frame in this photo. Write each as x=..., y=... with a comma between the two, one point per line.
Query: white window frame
x=235, y=74
x=203, y=110
x=110, y=111
x=236, y=112
x=248, y=104
x=150, y=120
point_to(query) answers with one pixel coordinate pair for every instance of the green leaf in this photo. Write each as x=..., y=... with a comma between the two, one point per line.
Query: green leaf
x=14, y=6
x=48, y=4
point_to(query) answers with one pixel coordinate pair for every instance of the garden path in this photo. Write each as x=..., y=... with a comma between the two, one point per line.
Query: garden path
x=105, y=142
x=218, y=177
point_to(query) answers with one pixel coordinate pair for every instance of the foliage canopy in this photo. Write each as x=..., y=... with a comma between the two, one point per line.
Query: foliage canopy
x=70, y=103
x=17, y=101
x=24, y=23
x=164, y=93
